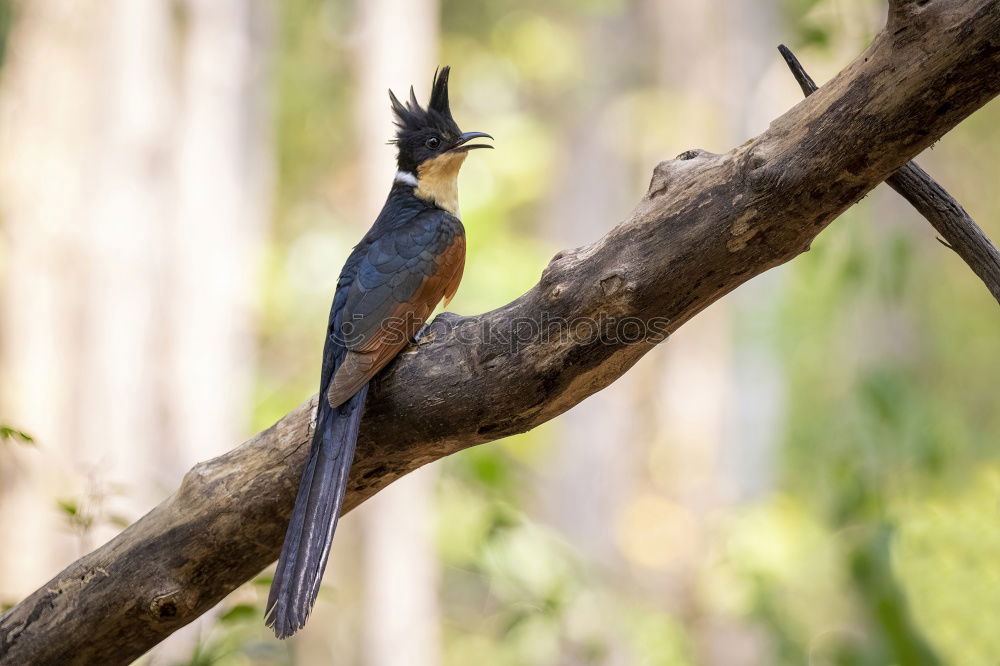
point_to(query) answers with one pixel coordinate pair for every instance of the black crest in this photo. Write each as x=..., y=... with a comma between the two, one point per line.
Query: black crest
x=416, y=124
x=412, y=116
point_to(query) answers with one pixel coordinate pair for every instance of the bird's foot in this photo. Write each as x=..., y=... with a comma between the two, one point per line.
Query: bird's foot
x=422, y=332
x=442, y=323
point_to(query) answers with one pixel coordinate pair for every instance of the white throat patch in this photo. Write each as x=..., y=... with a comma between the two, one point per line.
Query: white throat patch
x=406, y=178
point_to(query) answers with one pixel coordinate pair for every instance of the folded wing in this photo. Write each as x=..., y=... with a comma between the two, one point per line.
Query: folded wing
x=402, y=278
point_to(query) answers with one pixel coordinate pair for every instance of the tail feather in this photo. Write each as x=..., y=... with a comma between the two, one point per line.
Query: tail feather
x=314, y=517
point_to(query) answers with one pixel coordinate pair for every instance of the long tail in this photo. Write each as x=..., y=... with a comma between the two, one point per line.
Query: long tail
x=314, y=518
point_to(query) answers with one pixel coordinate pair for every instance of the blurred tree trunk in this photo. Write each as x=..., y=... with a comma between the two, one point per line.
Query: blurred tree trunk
x=134, y=195
x=213, y=245
x=588, y=479
x=685, y=403
x=402, y=616
x=86, y=176
x=40, y=265
x=223, y=207
x=718, y=398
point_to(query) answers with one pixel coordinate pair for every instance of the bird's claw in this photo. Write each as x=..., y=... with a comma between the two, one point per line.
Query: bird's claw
x=422, y=332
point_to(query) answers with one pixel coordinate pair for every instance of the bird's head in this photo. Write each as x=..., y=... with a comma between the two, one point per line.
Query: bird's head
x=431, y=145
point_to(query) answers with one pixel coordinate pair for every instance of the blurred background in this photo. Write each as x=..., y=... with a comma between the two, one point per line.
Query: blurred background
x=807, y=473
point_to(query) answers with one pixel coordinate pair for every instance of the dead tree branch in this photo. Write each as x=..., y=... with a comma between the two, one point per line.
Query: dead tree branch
x=946, y=215
x=707, y=224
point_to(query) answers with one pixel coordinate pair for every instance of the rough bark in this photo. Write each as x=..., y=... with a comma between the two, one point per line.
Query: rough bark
x=959, y=231
x=707, y=224
x=946, y=215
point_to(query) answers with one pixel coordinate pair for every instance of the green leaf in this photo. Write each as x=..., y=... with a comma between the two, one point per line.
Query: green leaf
x=8, y=432
x=69, y=507
x=239, y=613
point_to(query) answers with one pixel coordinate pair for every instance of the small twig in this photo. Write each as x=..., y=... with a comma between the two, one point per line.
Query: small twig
x=946, y=215
x=804, y=80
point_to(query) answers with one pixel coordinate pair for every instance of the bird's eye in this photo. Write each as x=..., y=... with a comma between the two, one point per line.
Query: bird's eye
x=433, y=143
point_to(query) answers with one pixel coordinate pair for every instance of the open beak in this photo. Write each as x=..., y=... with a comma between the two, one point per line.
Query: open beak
x=463, y=145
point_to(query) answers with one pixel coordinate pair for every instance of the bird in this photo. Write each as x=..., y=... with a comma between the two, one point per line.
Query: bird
x=411, y=258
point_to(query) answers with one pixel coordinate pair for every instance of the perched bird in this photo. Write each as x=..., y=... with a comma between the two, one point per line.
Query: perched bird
x=409, y=260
